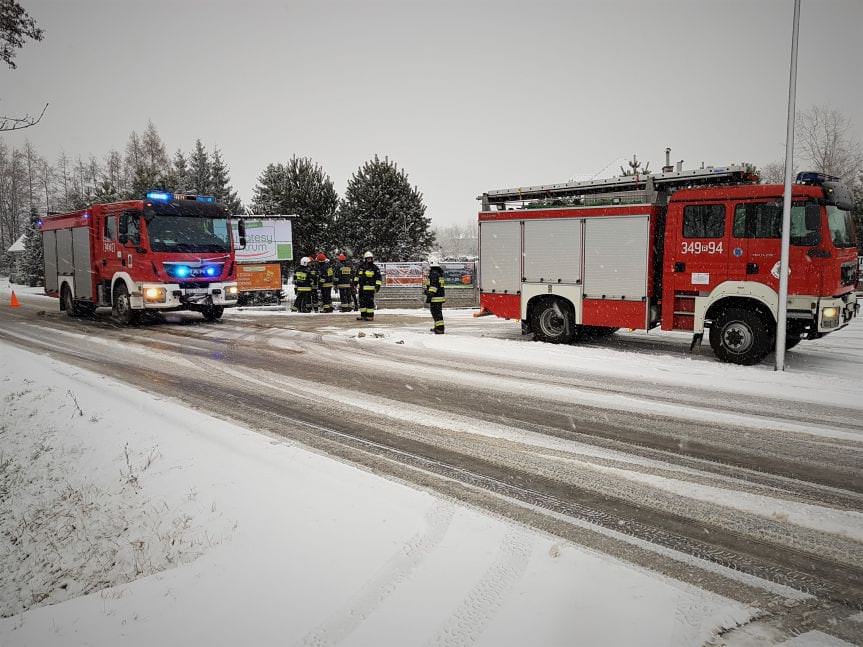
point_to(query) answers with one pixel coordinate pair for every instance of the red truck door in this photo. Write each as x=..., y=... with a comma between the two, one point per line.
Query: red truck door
x=696, y=258
x=756, y=236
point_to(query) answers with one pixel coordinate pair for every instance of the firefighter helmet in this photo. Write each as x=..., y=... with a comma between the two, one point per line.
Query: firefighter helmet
x=321, y=257
x=368, y=255
x=434, y=260
x=304, y=261
x=342, y=258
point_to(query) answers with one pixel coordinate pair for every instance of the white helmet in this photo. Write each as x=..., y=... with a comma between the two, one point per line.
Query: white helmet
x=368, y=255
x=304, y=261
x=434, y=260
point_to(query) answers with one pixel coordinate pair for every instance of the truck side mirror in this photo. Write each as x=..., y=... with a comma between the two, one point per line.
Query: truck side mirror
x=241, y=233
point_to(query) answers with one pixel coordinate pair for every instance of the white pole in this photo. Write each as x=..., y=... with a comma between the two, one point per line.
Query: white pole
x=781, y=317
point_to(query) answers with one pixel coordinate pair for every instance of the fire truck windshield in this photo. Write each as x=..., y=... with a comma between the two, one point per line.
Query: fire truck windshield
x=841, y=227
x=188, y=234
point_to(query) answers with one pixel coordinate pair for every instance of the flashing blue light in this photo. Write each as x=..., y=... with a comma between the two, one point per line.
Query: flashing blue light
x=160, y=196
x=39, y=223
x=181, y=271
x=210, y=270
x=812, y=177
x=86, y=215
x=206, y=198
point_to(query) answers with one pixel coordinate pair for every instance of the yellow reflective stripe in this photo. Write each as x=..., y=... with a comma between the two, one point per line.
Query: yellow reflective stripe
x=438, y=324
x=432, y=289
x=368, y=287
x=438, y=299
x=378, y=282
x=369, y=273
x=304, y=289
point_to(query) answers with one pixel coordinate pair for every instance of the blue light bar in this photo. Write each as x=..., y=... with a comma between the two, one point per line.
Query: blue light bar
x=211, y=270
x=160, y=196
x=812, y=177
x=209, y=199
x=181, y=271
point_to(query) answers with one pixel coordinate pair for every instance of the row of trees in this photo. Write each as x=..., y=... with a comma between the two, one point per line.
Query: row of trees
x=381, y=211
x=31, y=185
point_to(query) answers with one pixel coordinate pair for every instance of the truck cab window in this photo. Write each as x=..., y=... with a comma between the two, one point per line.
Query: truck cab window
x=764, y=220
x=110, y=228
x=130, y=233
x=704, y=221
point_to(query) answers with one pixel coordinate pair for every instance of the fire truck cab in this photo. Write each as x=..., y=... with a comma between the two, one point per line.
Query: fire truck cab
x=166, y=252
x=681, y=250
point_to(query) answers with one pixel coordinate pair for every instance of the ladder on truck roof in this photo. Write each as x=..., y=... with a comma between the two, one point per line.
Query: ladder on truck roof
x=640, y=187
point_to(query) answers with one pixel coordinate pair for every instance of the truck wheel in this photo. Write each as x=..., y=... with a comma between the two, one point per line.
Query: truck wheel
x=68, y=302
x=553, y=321
x=121, y=308
x=212, y=313
x=740, y=336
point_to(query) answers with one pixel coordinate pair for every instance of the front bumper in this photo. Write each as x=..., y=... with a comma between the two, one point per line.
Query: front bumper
x=845, y=307
x=185, y=298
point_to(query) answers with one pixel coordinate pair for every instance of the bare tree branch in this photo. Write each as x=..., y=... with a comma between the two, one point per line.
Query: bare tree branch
x=825, y=140
x=19, y=123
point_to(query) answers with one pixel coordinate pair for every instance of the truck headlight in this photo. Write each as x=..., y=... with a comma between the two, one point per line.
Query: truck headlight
x=830, y=317
x=232, y=291
x=154, y=295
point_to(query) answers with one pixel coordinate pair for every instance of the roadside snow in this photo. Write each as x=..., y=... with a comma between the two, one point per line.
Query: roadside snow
x=140, y=521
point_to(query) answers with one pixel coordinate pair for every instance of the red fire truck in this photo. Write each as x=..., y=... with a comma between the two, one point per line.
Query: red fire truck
x=678, y=250
x=166, y=252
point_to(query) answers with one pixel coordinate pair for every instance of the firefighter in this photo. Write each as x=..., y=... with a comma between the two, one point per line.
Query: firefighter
x=313, y=279
x=325, y=278
x=435, y=294
x=344, y=281
x=368, y=282
x=303, y=287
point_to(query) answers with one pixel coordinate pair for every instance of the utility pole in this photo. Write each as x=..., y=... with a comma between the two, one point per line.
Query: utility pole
x=782, y=310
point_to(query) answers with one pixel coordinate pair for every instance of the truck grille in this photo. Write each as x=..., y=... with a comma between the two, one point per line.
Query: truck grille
x=849, y=273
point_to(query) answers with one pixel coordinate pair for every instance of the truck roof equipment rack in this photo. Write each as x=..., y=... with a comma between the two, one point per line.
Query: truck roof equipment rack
x=624, y=189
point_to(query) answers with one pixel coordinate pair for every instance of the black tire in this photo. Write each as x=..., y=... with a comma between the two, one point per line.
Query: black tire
x=740, y=336
x=121, y=307
x=67, y=302
x=213, y=313
x=553, y=321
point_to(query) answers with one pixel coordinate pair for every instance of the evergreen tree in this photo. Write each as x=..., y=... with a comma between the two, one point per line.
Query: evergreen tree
x=106, y=192
x=31, y=266
x=180, y=172
x=383, y=213
x=221, y=184
x=300, y=187
x=199, y=171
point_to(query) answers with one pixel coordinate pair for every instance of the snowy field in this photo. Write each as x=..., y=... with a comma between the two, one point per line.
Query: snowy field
x=136, y=521
x=134, y=517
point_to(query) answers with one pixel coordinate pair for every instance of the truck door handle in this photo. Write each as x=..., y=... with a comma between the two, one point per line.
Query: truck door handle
x=752, y=268
x=679, y=267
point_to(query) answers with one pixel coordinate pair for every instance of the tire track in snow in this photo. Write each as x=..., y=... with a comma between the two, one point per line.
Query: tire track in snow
x=480, y=606
x=394, y=572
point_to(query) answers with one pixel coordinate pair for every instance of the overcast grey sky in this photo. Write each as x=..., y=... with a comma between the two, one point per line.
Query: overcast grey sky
x=465, y=96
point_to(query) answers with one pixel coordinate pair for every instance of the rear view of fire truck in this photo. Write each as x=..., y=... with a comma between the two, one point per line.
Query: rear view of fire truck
x=680, y=250
x=166, y=252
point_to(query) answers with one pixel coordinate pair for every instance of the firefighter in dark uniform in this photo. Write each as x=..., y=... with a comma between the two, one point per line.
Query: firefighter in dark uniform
x=435, y=294
x=344, y=282
x=368, y=281
x=314, y=278
x=303, y=287
x=325, y=278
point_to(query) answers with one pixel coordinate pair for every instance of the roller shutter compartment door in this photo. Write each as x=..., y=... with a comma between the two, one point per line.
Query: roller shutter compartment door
x=500, y=257
x=615, y=258
x=552, y=250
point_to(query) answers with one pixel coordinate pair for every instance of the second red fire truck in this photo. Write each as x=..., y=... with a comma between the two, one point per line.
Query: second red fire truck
x=165, y=252
x=679, y=250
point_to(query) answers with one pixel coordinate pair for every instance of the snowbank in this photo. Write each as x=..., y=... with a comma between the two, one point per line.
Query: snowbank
x=142, y=522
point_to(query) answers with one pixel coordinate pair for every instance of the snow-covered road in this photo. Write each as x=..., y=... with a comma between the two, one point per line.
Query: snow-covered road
x=630, y=447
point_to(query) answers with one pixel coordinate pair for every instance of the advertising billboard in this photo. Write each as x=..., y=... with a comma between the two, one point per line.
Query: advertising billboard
x=268, y=239
x=251, y=278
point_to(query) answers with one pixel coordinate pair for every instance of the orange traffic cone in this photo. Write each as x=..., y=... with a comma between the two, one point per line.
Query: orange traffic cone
x=13, y=302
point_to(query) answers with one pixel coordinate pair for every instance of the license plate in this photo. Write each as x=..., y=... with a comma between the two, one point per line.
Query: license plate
x=197, y=290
